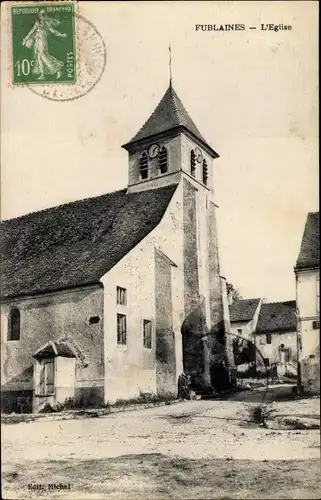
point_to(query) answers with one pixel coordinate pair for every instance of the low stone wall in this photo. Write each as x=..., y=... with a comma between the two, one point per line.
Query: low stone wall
x=16, y=401
x=310, y=375
x=74, y=414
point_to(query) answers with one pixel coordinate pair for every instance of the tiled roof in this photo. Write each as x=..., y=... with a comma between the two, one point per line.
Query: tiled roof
x=309, y=255
x=277, y=317
x=243, y=310
x=52, y=349
x=169, y=113
x=76, y=243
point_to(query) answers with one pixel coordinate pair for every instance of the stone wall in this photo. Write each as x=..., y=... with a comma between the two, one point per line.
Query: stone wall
x=131, y=368
x=310, y=356
x=194, y=328
x=273, y=351
x=217, y=329
x=165, y=338
x=307, y=283
x=54, y=316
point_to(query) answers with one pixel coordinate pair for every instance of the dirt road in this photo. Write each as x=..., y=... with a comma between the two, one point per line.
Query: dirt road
x=196, y=449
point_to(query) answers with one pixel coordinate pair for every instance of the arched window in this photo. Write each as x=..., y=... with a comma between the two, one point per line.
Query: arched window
x=143, y=165
x=193, y=163
x=162, y=160
x=205, y=173
x=14, y=325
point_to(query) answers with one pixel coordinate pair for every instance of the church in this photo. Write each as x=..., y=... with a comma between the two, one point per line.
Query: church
x=114, y=296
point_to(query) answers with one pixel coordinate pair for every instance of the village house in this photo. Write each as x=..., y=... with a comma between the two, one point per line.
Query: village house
x=243, y=317
x=265, y=334
x=276, y=337
x=307, y=275
x=114, y=296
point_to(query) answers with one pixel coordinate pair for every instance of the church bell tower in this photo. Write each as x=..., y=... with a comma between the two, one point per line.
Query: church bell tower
x=169, y=149
x=168, y=144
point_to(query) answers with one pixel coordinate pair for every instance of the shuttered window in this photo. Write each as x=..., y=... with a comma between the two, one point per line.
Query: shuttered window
x=121, y=329
x=147, y=334
x=121, y=296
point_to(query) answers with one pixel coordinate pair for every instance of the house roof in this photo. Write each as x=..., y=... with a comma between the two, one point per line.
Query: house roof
x=168, y=114
x=309, y=255
x=76, y=243
x=277, y=317
x=243, y=310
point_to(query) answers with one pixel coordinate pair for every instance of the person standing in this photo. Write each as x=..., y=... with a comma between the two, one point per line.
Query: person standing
x=184, y=386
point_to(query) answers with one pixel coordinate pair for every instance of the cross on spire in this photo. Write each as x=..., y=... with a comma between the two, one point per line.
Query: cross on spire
x=170, y=64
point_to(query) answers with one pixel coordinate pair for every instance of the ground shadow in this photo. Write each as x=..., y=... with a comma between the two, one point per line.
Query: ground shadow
x=160, y=476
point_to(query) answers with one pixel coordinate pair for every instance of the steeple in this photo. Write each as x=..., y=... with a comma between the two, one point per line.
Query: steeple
x=170, y=64
x=170, y=114
x=167, y=147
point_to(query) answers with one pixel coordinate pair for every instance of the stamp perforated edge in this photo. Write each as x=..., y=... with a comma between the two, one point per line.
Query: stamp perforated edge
x=8, y=5
x=11, y=5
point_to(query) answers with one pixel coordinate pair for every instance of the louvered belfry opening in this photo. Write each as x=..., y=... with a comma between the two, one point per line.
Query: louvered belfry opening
x=205, y=173
x=143, y=164
x=193, y=163
x=163, y=160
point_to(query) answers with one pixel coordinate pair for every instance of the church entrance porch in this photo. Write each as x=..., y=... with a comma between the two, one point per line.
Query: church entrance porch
x=54, y=374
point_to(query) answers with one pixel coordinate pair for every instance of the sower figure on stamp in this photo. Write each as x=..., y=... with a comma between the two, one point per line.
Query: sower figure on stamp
x=37, y=39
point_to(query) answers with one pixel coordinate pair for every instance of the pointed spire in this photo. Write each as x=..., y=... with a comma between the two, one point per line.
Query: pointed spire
x=169, y=114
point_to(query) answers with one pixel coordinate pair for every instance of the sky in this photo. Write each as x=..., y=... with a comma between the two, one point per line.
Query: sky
x=252, y=94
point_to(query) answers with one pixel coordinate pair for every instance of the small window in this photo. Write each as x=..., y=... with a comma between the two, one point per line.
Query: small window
x=193, y=163
x=121, y=329
x=316, y=325
x=239, y=331
x=266, y=362
x=14, y=325
x=143, y=164
x=162, y=160
x=205, y=173
x=46, y=377
x=121, y=296
x=147, y=334
x=93, y=320
x=268, y=338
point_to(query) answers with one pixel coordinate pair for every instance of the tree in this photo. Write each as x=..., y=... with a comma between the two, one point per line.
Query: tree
x=244, y=351
x=233, y=291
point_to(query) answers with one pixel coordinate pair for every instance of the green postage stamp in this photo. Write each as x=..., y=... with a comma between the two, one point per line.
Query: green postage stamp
x=43, y=43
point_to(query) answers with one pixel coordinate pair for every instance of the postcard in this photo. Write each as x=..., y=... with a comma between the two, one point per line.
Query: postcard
x=160, y=319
